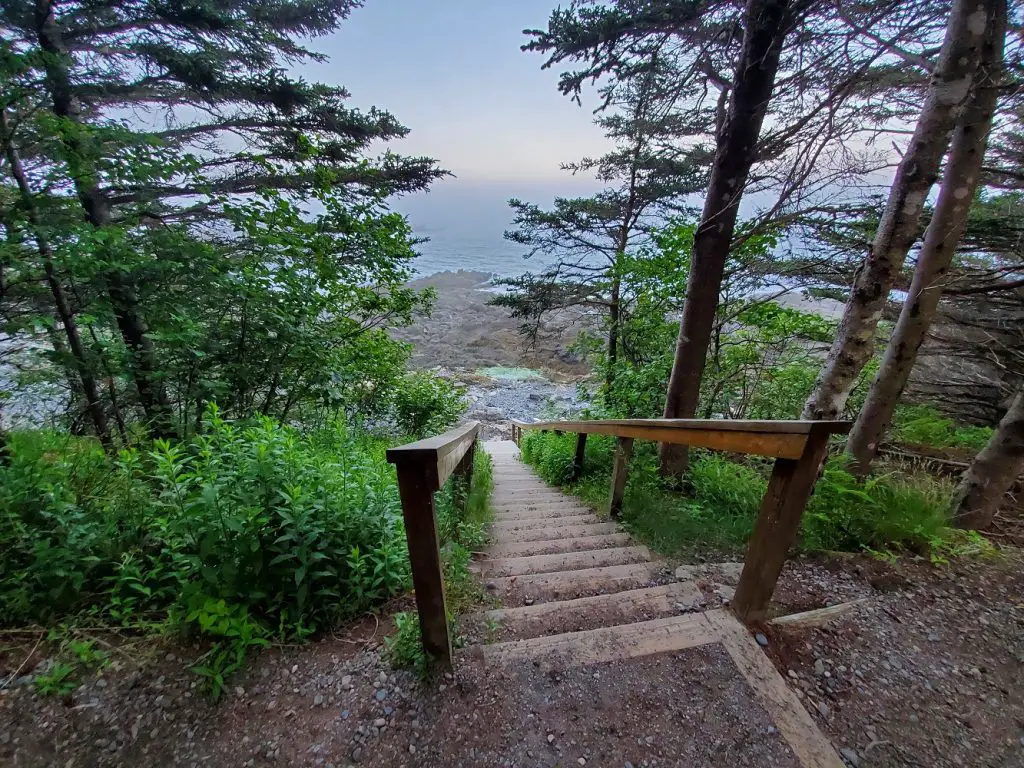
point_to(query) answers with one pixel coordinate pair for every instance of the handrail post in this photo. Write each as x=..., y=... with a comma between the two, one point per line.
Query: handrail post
x=577, y=461
x=463, y=475
x=620, y=472
x=417, y=483
x=778, y=522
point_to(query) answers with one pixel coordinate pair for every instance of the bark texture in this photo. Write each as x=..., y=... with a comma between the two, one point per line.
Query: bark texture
x=130, y=323
x=993, y=471
x=61, y=303
x=766, y=23
x=948, y=90
x=959, y=183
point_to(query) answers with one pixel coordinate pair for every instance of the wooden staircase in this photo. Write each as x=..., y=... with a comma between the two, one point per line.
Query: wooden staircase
x=575, y=589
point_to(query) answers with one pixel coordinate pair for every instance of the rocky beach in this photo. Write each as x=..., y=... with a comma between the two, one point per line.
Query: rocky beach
x=507, y=376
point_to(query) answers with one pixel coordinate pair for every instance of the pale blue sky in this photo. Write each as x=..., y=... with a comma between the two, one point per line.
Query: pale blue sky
x=452, y=71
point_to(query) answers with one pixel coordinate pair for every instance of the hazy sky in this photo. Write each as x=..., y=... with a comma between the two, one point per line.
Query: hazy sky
x=452, y=71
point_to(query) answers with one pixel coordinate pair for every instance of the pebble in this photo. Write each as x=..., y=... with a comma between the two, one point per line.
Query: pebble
x=819, y=667
x=850, y=756
x=551, y=738
x=823, y=708
x=346, y=681
x=345, y=714
x=412, y=749
x=239, y=690
x=582, y=761
x=381, y=695
x=792, y=674
x=357, y=755
x=491, y=586
x=295, y=668
x=380, y=722
x=318, y=700
x=761, y=639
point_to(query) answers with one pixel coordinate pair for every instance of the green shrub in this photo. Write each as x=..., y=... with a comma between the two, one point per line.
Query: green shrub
x=296, y=530
x=427, y=404
x=885, y=512
x=924, y=425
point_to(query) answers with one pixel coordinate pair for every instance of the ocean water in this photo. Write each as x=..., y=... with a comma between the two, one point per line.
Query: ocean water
x=465, y=224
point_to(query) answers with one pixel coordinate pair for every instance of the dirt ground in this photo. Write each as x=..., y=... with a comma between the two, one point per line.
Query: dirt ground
x=929, y=671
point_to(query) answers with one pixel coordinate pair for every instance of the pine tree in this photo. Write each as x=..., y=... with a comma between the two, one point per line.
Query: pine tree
x=233, y=124
x=648, y=176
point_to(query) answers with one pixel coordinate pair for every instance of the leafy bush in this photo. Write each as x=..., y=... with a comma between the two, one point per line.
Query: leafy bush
x=246, y=530
x=427, y=404
x=924, y=425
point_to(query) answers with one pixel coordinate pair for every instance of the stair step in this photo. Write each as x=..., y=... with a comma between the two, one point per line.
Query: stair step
x=562, y=561
x=594, y=646
x=564, y=510
x=577, y=583
x=554, y=546
x=560, y=532
x=598, y=611
x=541, y=522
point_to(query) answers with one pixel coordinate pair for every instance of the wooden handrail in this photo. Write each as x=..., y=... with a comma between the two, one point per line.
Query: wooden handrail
x=775, y=439
x=798, y=447
x=422, y=468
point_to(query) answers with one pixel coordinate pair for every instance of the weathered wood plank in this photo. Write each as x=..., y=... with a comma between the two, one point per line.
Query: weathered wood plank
x=819, y=617
x=771, y=444
x=620, y=473
x=581, y=449
x=442, y=453
x=808, y=743
x=789, y=488
x=626, y=641
x=416, y=489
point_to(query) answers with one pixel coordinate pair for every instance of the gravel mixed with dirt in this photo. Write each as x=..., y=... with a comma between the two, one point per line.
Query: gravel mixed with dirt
x=928, y=671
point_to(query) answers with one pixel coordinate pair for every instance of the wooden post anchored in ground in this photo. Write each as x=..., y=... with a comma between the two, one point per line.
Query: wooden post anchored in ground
x=577, y=462
x=422, y=468
x=789, y=489
x=620, y=472
x=463, y=476
x=416, y=488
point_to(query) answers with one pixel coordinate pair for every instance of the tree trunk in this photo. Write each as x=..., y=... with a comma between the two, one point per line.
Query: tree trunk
x=60, y=298
x=614, y=323
x=152, y=394
x=766, y=23
x=898, y=227
x=959, y=184
x=992, y=472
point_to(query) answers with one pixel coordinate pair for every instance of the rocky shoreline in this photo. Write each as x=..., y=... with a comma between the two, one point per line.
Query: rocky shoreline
x=480, y=345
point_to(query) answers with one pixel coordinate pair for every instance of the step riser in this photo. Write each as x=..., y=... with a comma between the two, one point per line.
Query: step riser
x=555, y=546
x=567, y=561
x=548, y=533
x=596, y=646
x=545, y=522
x=506, y=517
x=579, y=583
x=594, y=612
